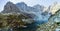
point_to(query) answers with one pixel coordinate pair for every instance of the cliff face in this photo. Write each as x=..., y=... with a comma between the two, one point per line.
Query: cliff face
x=11, y=8
x=55, y=17
x=55, y=7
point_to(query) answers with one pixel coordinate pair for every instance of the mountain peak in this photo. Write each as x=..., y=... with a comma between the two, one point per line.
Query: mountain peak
x=21, y=3
x=10, y=8
x=39, y=7
x=9, y=2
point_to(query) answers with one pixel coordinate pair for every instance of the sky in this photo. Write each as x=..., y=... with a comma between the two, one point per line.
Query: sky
x=45, y=3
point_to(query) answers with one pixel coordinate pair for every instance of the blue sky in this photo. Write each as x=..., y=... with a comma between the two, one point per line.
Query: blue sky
x=29, y=2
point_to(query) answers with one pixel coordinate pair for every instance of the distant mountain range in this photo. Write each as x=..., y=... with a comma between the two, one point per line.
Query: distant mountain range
x=26, y=8
x=37, y=12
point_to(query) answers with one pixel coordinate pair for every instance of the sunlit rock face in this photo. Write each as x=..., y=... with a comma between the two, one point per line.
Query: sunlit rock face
x=55, y=17
x=54, y=7
x=55, y=20
x=11, y=8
